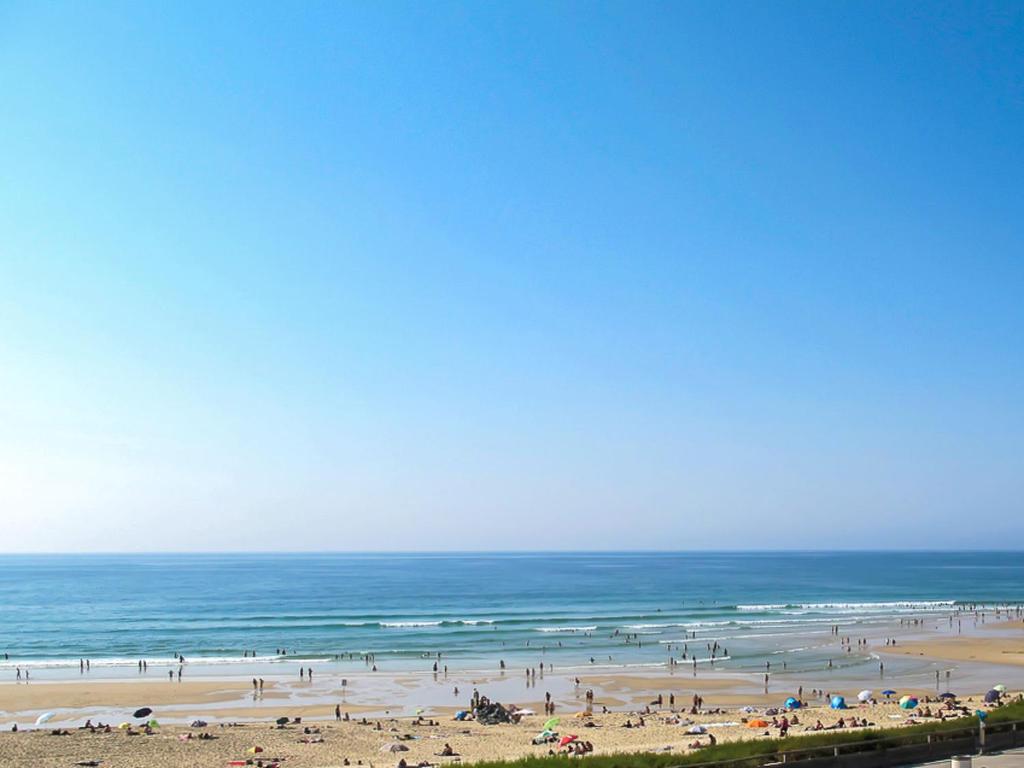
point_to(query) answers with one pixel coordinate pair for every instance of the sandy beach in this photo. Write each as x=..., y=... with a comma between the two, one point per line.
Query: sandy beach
x=239, y=720
x=178, y=745
x=980, y=649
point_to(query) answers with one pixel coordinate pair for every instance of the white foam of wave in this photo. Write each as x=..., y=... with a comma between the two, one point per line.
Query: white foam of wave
x=880, y=606
x=409, y=624
x=156, y=662
x=591, y=628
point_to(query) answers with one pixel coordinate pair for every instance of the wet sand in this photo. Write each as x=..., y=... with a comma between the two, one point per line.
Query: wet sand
x=990, y=650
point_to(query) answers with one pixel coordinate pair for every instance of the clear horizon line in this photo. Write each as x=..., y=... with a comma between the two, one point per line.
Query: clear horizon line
x=638, y=551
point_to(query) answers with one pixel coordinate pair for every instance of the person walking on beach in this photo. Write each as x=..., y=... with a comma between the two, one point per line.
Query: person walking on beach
x=179, y=674
x=261, y=686
x=337, y=712
x=309, y=674
x=170, y=675
x=254, y=688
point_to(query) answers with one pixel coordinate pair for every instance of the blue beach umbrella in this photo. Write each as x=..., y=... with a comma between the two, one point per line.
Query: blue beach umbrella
x=908, y=702
x=992, y=696
x=889, y=692
x=838, y=702
x=792, y=703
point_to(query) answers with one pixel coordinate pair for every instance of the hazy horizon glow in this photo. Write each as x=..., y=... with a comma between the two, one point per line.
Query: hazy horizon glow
x=534, y=276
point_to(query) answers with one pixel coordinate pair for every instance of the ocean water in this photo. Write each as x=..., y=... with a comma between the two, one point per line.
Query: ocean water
x=629, y=610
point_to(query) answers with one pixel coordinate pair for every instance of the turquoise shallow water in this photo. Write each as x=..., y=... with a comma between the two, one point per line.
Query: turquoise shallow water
x=477, y=608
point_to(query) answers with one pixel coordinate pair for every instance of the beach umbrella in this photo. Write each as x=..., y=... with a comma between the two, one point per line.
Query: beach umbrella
x=864, y=695
x=281, y=720
x=888, y=692
x=153, y=724
x=550, y=724
x=697, y=729
x=254, y=750
x=144, y=712
x=838, y=702
x=982, y=714
x=44, y=717
x=125, y=726
x=567, y=740
x=992, y=696
x=394, y=747
x=757, y=724
x=947, y=695
x=908, y=702
x=792, y=703
x=1001, y=688
x=525, y=712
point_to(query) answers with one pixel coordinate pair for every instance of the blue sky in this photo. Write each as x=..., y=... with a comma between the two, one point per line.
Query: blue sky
x=511, y=276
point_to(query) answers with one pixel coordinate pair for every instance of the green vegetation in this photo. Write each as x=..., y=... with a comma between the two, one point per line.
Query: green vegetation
x=754, y=752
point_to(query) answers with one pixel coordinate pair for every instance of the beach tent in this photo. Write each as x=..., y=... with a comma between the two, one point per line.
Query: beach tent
x=394, y=747
x=992, y=696
x=757, y=724
x=908, y=702
x=864, y=695
x=838, y=702
x=792, y=703
x=44, y=717
x=281, y=721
